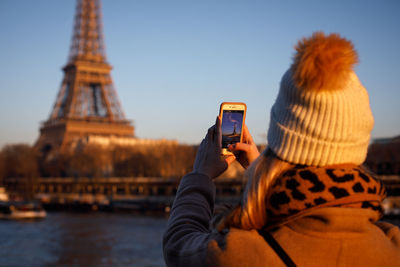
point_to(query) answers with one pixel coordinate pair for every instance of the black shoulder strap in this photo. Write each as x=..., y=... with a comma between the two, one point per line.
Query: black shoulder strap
x=277, y=248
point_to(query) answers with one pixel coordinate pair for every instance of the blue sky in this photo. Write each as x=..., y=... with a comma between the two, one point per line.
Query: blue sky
x=176, y=61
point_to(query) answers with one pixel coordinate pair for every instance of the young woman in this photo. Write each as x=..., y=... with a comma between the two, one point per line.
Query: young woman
x=308, y=201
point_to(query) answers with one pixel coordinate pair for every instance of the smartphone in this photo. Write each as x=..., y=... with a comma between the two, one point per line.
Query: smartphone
x=232, y=116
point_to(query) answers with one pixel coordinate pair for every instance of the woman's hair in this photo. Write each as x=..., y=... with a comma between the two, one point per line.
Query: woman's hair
x=252, y=212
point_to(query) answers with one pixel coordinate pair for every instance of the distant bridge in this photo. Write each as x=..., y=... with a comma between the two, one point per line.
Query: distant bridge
x=136, y=193
x=126, y=193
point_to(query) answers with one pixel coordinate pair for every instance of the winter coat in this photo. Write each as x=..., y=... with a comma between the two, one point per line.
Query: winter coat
x=326, y=236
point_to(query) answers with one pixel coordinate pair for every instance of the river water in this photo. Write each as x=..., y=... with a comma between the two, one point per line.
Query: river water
x=84, y=239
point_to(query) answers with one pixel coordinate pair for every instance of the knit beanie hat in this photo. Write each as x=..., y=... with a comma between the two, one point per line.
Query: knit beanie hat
x=322, y=114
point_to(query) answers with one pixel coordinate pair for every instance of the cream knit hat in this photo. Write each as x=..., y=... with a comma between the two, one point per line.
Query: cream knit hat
x=322, y=114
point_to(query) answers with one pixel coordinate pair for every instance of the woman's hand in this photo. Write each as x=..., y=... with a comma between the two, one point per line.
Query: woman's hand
x=247, y=151
x=208, y=159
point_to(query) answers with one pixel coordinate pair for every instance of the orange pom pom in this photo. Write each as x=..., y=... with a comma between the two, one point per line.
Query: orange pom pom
x=323, y=62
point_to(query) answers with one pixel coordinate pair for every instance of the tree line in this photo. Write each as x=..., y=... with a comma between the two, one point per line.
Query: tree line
x=23, y=161
x=169, y=160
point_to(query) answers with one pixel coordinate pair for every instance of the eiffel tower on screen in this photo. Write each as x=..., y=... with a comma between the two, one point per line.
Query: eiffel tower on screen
x=87, y=103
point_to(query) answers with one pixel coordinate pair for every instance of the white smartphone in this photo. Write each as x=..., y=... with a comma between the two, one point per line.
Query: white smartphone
x=232, y=116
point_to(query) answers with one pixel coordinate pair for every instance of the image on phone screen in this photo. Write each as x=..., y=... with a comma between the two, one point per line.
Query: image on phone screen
x=231, y=126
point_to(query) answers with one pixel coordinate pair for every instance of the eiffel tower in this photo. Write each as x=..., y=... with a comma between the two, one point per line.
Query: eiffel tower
x=87, y=103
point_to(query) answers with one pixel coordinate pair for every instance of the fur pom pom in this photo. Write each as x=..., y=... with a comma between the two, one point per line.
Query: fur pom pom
x=323, y=62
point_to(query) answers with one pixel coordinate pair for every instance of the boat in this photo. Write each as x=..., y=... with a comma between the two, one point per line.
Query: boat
x=17, y=210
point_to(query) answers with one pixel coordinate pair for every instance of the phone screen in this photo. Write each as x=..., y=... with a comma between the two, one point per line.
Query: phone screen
x=232, y=121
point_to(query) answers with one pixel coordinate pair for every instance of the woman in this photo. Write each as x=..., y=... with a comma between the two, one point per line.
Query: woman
x=308, y=201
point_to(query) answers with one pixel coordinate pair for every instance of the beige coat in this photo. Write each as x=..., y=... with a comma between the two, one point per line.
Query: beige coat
x=323, y=237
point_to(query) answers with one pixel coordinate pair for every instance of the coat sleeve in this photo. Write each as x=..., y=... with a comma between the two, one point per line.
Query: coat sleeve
x=187, y=235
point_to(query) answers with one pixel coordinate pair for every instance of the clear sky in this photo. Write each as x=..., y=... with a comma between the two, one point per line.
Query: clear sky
x=176, y=61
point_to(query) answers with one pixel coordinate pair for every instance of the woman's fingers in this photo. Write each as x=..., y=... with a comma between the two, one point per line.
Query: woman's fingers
x=247, y=138
x=214, y=137
x=208, y=158
x=240, y=147
x=245, y=153
x=202, y=144
x=210, y=134
x=218, y=134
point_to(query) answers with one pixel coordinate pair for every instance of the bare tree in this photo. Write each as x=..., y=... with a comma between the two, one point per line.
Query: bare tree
x=153, y=161
x=21, y=163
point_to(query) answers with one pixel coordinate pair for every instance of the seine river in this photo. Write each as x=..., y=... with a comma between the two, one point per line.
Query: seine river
x=79, y=239
x=84, y=239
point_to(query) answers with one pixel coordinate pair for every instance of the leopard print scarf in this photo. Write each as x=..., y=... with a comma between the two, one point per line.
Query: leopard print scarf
x=303, y=188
